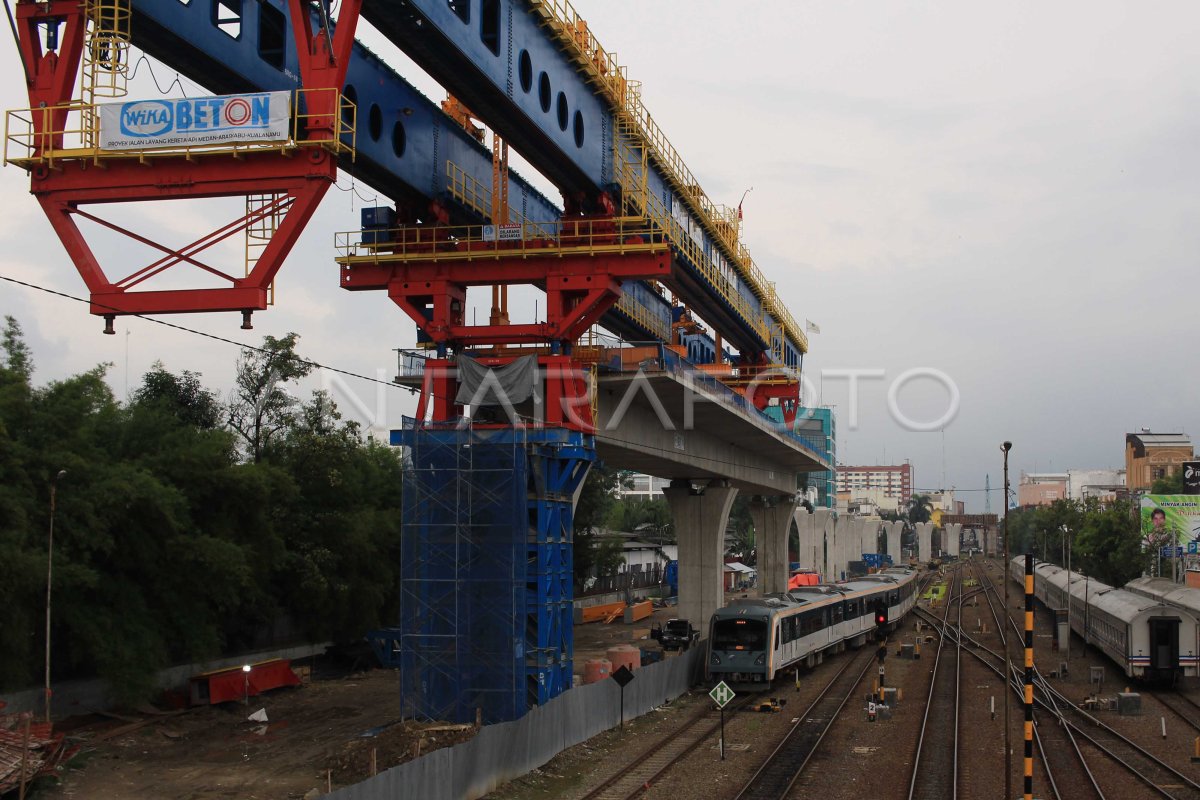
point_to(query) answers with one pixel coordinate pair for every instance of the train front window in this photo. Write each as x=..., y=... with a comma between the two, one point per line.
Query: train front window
x=739, y=634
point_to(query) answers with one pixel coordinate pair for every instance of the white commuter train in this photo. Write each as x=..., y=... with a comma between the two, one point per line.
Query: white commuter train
x=751, y=640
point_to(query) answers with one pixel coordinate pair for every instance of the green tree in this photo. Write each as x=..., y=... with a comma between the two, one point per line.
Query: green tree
x=169, y=549
x=260, y=408
x=1110, y=544
x=649, y=518
x=596, y=502
x=920, y=508
x=1172, y=483
x=182, y=395
x=340, y=572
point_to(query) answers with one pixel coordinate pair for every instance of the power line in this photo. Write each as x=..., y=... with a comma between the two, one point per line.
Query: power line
x=213, y=336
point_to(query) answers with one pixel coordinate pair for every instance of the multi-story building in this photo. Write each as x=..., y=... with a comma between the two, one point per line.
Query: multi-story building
x=1150, y=456
x=1041, y=488
x=643, y=487
x=1098, y=483
x=818, y=427
x=896, y=481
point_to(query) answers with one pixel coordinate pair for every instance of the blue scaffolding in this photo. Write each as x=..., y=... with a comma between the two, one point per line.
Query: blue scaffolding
x=486, y=569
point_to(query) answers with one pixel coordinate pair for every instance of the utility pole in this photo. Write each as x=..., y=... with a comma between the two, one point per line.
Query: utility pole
x=1004, y=628
x=49, y=577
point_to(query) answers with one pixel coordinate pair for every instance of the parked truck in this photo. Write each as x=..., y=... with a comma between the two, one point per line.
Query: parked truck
x=677, y=635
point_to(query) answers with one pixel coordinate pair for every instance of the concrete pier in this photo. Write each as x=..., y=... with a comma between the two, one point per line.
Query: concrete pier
x=952, y=539
x=700, y=514
x=773, y=518
x=893, y=531
x=924, y=542
x=868, y=537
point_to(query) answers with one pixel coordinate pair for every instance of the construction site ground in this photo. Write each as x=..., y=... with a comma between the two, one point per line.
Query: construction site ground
x=319, y=735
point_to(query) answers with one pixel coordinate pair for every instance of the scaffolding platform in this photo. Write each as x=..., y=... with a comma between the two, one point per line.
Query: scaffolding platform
x=486, y=569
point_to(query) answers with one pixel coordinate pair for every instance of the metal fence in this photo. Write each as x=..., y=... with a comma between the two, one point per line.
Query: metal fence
x=630, y=579
x=499, y=753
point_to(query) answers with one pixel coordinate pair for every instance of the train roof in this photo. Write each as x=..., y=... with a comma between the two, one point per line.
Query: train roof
x=1118, y=603
x=808, y=595
x=1168, y=592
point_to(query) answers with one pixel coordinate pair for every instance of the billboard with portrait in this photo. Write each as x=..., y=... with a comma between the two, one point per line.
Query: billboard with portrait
x=1170, y=519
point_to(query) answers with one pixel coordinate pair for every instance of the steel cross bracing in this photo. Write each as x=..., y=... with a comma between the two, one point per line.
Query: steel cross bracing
x=56, y=139
x=534, y=71
x=411, y=152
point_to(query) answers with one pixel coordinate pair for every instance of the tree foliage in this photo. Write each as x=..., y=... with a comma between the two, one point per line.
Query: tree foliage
x=261, y=408
x=170, y=547
x=596, y=502
x=920, y=508
x=1172, y=483
x=1102, y=540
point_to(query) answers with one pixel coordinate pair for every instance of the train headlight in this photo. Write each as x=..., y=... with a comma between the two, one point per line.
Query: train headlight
x=716, y=659
x=762, y=659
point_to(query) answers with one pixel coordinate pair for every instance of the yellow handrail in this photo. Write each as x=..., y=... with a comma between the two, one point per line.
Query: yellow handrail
x=619, y=235
x=612, y=80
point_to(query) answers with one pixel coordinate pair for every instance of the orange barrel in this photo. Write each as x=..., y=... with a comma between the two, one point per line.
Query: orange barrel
x=625, y=655
x=596, y=670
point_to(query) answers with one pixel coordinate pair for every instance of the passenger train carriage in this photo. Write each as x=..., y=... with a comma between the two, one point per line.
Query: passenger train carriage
x=1174, y=594
x=751, y=640
x=1146, y=637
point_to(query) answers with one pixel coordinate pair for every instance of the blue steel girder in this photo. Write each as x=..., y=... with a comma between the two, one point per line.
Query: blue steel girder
x=404, y=156
x=499, y=58
x=405, y=144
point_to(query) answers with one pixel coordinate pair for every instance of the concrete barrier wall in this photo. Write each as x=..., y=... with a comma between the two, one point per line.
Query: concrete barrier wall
x=508, y=750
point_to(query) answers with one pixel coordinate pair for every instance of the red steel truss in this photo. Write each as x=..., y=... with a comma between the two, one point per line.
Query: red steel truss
x=291, y=179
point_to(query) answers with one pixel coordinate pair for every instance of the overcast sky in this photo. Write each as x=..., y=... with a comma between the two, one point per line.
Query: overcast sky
x=1006, y=193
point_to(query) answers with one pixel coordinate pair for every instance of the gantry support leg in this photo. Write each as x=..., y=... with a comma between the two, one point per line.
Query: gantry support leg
x=700, y=515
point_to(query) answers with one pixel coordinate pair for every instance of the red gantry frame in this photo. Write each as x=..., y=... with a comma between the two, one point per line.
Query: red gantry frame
x=290, y=179
x=579, y=262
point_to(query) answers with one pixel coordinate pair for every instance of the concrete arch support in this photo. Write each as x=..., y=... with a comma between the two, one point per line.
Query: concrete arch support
x=952, y=539
x=825, y=551
x=894, y=530
x=924, y=542
x=700, y=515
x=806, y=538
x=846, y=539
x=868, y=537
x=772, y=522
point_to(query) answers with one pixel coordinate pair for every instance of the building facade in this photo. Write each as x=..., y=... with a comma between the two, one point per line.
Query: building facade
x=1041, y=488
x=895, y=481
x=1150, y=456
x=1094, y=483
x=818, y=426
x=643, y=487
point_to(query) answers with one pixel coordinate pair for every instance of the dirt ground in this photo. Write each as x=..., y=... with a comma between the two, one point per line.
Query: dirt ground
x=323, y=734
x=319, y=735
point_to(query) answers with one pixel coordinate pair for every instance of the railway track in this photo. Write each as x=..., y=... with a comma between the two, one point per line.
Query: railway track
x=1181, y=706
x=1059, y=754
x=779, y=772
x=935, y=766
x=632, y=780
x=1156, y=774
x=1159, y=777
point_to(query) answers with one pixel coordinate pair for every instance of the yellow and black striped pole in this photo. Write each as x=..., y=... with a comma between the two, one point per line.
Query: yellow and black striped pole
x=1028, y=676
